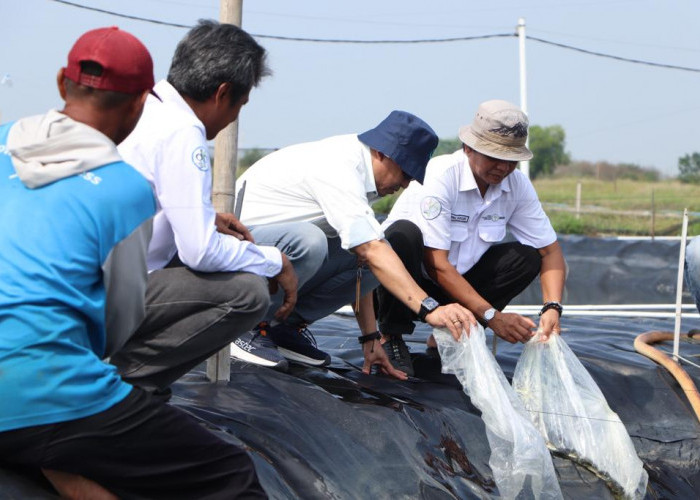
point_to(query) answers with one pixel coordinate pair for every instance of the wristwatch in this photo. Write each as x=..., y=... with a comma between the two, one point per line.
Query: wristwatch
x=489, y=314
x=428, y=305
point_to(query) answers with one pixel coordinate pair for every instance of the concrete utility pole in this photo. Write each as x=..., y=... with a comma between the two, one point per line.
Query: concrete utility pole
x=524, y=165
x=224, y=183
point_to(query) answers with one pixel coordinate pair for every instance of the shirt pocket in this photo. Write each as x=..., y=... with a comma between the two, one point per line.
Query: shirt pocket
x=492, y=231
x=459, y=232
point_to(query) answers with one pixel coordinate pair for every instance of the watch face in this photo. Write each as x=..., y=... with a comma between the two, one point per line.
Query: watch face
x=430, y=303
x=489, y=314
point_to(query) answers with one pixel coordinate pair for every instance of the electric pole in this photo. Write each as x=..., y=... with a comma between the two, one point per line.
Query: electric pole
x=525, y=164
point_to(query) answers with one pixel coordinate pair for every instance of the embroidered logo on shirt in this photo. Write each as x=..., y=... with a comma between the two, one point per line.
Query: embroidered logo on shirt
x=200, y=158
x=459, y=218
x=493, y=217
x=430, y=207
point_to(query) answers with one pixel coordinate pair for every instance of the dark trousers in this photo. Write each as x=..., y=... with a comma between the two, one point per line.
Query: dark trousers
x=141, y=448
x=189, y=316
x=500, y=275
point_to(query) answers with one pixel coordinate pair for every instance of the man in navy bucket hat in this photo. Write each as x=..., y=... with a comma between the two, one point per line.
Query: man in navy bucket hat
x=313, y=201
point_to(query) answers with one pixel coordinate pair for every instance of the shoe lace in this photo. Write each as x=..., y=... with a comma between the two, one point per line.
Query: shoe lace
x=261, y=331
x=306, y=333
x=398, y=348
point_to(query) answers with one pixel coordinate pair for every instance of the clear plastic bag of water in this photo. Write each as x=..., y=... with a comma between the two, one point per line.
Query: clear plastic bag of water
x=570, y=411
x=520, y=461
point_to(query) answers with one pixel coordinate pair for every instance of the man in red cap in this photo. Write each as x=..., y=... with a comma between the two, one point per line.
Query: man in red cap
x=62, y=309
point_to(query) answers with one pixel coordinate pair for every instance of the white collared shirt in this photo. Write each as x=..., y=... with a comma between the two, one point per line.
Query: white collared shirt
x=328, y=182
x=452, y=215
x=169, y=147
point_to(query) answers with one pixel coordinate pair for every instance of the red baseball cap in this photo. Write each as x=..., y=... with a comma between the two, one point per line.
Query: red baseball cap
x=126, y=63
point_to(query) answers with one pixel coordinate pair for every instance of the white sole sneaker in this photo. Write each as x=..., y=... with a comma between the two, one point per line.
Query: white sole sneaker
x=300, y=358
x=248, y=357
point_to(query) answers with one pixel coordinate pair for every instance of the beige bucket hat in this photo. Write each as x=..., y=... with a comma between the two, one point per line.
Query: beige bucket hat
x=499, y=130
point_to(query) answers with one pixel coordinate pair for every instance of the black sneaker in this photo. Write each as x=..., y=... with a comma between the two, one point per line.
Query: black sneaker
x=256, y=347
x=399, y=355
x=298, y=344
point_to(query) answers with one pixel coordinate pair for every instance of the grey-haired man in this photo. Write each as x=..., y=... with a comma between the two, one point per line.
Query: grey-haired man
x=207, y=282
x=448, y=233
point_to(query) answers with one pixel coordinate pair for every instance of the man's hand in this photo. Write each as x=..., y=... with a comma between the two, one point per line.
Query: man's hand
x=512, y=327
x=549, y=324
x=229, y=224
x=374, y=355
x=453, y=317
x=287, y=280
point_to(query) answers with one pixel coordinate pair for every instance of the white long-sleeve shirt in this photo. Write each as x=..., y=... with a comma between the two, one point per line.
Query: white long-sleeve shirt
x=169, y=147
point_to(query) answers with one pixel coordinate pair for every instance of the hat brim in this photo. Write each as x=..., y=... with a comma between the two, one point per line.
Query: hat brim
x=488, y=148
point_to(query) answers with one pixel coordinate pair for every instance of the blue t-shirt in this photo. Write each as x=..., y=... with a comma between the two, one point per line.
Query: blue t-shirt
x=53, y=242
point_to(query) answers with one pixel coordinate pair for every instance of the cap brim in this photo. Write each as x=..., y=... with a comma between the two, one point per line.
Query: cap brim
x=488, y=148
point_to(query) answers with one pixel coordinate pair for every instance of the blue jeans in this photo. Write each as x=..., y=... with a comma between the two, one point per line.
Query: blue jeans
x=327, y=273
x=692, y=269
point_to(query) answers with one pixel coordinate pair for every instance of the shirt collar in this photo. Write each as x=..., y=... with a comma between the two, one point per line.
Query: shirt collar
x=169, y=95
x=467, y=181
x=370, y=184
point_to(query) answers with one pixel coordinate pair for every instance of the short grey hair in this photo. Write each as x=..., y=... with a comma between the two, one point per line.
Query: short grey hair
x=213, y=53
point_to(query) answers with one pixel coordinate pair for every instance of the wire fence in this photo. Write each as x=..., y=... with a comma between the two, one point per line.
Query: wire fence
x=622, y=208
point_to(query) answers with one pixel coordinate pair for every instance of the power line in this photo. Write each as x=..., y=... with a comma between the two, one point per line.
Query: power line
x=126, y=16
x=609, y=56
x=428, y=40
x=423, y=40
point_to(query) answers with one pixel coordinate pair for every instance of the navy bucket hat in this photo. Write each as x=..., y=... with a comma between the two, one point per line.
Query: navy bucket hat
x=404, y=138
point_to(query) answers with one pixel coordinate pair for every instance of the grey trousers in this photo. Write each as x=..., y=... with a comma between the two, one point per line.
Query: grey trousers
x=189, y=317
x=327, y=274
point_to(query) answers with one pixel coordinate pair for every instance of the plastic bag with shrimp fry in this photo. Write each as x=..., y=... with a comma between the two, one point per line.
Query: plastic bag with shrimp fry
x=520, y=462
x=570, y=411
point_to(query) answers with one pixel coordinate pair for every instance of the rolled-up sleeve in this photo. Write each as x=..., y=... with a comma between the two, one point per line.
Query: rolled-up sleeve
x=340, y=192
x=529, y=222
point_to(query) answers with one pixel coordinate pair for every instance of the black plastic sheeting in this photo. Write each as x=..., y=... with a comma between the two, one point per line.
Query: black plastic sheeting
x=320, y=433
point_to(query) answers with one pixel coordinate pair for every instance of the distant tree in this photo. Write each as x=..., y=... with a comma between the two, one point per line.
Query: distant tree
x=547, y=145
x=250, y=157
x=689, y=167
x=447, y=146
x=605, y=171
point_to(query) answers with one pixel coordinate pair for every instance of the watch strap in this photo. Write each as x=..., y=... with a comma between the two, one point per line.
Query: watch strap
x=426, y=309
x=552, y=305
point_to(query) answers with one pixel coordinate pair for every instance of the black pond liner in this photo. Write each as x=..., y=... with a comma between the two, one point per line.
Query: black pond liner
x=319, y=433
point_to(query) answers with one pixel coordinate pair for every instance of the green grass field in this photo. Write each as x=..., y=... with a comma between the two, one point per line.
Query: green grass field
x=621, y=208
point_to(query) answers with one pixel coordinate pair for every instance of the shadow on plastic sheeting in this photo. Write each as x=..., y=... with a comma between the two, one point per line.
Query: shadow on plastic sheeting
x=317, y=433
x=336, y=433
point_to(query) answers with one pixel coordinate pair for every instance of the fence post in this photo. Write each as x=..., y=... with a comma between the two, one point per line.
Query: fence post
x=653, y=215
x=578, y=200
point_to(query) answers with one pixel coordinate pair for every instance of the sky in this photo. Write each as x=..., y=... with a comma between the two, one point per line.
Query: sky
x=611, y=110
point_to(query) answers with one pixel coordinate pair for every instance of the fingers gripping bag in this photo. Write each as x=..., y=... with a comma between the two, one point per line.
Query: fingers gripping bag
x=570, y=411
x=520, y=461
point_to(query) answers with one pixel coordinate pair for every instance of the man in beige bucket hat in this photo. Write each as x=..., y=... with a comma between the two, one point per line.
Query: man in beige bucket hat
x=450, y=234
